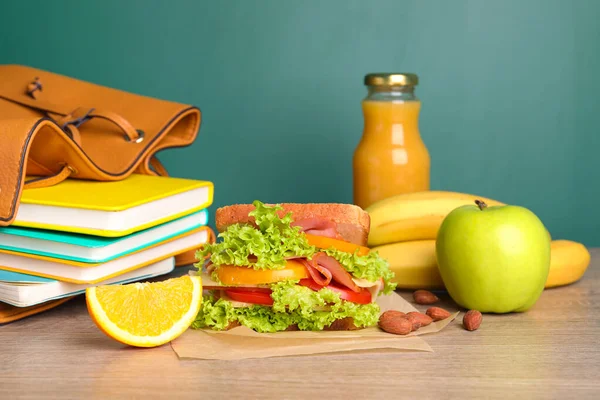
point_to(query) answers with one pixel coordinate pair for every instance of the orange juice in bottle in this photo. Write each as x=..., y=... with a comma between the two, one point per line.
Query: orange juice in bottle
x=391, y=157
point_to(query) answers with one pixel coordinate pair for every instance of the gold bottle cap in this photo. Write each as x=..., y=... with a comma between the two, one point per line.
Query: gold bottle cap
x=391, y=79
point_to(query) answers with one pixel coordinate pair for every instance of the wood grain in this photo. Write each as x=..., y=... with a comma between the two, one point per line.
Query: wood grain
x=552, y=351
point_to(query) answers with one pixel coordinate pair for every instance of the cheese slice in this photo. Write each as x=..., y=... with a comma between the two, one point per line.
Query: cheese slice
x=373, y=287
x=206, y=279
x=236, y=304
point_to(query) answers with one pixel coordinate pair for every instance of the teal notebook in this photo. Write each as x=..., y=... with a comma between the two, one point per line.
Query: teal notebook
x=22, y=290
x=94, y=249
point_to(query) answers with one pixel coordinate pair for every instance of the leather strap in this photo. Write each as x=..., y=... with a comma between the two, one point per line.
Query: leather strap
x=51, y=180
x=82, y=114
x=158, y=167
x=152, y=166
x=9, y=313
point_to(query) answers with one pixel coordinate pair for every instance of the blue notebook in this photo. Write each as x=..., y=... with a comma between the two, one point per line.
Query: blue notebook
x=22, y=290
x=94, y=249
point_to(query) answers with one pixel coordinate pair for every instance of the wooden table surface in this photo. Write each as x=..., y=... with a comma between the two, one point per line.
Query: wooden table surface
x=552, y=351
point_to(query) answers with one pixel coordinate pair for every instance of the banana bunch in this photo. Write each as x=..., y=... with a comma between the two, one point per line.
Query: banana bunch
x=404, y=228
x=415, y=216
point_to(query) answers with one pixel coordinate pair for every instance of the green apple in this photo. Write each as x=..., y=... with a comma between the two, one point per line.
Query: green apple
x=493, y=259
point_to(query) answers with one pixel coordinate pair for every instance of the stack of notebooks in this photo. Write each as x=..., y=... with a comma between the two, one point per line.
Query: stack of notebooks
x=79, y=233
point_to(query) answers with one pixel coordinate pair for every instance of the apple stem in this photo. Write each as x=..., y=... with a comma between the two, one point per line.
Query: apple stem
x=480, y=204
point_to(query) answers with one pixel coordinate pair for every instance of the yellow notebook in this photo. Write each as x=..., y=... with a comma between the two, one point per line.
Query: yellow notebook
x=112, y=208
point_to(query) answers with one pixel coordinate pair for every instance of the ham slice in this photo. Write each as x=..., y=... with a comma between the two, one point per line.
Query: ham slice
x=338, y=273
x=210, y=267
x=318, y=227
x=320, y=275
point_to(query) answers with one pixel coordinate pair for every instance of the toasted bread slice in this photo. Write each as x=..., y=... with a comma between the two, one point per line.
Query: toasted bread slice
x=352, y=222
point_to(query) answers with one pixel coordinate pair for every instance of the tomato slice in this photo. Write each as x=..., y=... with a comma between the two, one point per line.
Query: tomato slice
x=233, y=275
x=362, y=297
x=323, y=242
x=251, y=295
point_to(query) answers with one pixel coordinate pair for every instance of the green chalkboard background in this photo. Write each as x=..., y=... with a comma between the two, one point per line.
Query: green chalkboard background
x=510, y=89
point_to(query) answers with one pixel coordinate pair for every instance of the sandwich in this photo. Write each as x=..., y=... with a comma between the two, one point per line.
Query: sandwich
x=290, y=266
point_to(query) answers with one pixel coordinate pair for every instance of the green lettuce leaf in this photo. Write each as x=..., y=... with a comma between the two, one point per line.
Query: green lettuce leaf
x=275, y=240
x=370, y=267
x=293, y=304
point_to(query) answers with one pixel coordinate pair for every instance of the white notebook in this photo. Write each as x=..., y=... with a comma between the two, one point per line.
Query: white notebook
x=22, y=290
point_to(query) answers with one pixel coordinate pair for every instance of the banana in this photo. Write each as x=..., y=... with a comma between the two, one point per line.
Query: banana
x=568, y=262
x=414, y=216
x=413, y=263
x=415, y=267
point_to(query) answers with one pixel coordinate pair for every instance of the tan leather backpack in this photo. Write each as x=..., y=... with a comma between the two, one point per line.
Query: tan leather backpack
x=53, y=127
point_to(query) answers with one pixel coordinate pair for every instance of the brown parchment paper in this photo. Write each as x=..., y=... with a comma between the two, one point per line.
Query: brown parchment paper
x=241, y=342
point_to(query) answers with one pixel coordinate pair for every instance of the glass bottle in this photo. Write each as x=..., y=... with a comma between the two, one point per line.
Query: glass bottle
x=391, y=157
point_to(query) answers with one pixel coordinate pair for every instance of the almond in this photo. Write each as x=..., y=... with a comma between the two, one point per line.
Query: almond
x=394, y=313
x=391, y=322
x=437, y=313
x=422, y=319
x=416, y=324
x=472, y=320
x=424, y=297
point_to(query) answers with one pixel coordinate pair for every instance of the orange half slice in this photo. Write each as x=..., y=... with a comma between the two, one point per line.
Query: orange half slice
x=145, y=314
